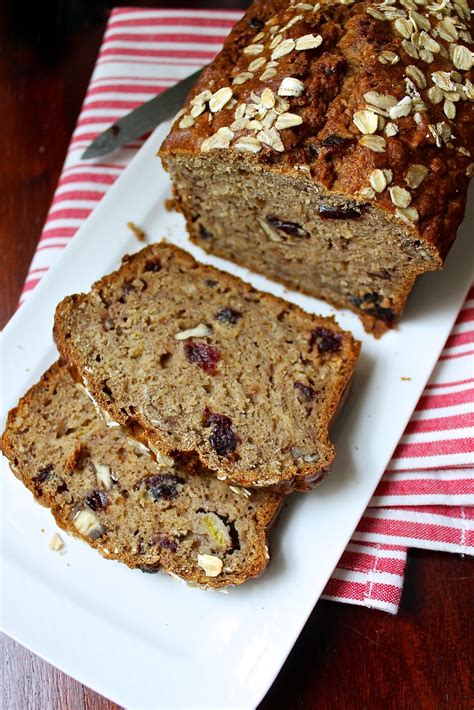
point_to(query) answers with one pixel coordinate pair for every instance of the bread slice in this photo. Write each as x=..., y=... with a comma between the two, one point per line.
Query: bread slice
x=328, y=146
x=103, y=489
x=200, y=366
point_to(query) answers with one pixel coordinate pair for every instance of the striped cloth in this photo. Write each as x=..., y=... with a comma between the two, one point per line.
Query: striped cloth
x=423, y=498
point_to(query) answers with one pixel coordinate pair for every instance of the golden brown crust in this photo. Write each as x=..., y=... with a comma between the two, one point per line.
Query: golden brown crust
x=35, y=449
x=337, y=76
x=298, y=476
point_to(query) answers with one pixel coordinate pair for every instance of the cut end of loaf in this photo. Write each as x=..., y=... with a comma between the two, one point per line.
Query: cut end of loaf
x=111, y=494
x=331, y=246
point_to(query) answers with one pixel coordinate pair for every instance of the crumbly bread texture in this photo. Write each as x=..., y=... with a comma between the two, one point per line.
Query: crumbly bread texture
x=200, y=366
x=103, y=489
x=328, y=146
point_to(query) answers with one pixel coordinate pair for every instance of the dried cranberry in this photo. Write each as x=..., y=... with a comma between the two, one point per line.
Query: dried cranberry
x=202, y=354
x=307, y=392
x=166, y=542
x=161, y=486
x=333, y=140
x=97, y=500
x=291, y=228
x=343, y=212
x=43, y=474
x=327, y=341
x=154, y=266
x=228, y=315
x=223, y=439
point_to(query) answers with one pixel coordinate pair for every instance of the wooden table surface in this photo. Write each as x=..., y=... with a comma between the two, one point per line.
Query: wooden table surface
x=346, y=657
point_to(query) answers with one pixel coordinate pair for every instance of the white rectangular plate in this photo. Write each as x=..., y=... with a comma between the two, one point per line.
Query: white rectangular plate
x=146, y=641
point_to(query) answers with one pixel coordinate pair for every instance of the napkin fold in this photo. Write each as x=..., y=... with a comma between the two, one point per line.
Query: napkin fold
x=425, y=497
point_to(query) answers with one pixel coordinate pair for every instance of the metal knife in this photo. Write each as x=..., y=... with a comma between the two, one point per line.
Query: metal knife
x=142, y=119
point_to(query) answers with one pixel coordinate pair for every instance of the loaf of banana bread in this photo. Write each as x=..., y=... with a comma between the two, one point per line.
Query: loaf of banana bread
x=104, y=489
x=328, y=146
x=200, y=366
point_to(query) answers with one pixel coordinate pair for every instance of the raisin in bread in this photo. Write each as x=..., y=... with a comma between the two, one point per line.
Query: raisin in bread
x=103, y=489
x=200, y=366
x=328, y=146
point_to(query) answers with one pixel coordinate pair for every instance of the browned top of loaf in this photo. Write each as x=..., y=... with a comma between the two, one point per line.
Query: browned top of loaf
x=103, y=489
x=250, y=394
x=430, y=47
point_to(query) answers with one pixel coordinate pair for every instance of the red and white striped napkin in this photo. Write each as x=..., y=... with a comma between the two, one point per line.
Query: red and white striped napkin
x=424, y=498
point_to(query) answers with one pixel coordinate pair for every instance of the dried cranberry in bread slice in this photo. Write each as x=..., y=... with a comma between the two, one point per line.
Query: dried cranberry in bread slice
x=200, y=366
x=329, y=145
x=103, y=489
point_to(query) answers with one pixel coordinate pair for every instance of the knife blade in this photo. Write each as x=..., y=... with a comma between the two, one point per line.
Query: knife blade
x=142, y=119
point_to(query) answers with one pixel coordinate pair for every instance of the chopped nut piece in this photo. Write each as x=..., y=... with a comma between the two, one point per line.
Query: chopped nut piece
x=220, y=98
x=291, y=87
x=211, y=565
x=415, y=175
x=56, y=543
x=399, y=196
x=375, y=143
x=366, y=121
x=200, y=331
x=102, y=474
x=87, y=523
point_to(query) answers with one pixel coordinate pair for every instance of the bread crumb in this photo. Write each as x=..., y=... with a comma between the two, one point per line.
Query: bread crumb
x=170, y=204
x=406, y=379
x=56, y=543
x=139, y=233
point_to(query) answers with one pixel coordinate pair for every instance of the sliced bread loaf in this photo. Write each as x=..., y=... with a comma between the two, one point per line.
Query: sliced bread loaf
x=329, y=146
x=200, y=366
x=103, y=489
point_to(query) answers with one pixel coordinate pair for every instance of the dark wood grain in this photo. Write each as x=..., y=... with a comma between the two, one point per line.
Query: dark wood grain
x=347, y=658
